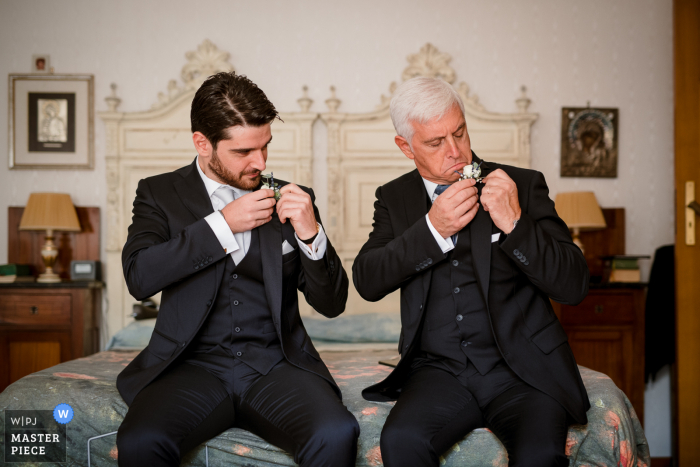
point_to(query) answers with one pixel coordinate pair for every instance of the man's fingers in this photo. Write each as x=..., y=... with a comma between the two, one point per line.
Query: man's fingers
x=291, y=188
x=260, y=194
x=294, y=196
x=469, y=215
x=498, y=173
x=457, y=187
x=265, y=203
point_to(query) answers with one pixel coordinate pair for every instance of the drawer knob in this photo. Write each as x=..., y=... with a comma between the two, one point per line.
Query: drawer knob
x=34, y=310
x=598, y=309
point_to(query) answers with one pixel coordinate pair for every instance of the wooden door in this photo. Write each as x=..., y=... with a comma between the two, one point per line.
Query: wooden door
x=687, y=144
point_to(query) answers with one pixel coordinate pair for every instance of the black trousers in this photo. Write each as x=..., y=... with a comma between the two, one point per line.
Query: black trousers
x=435, y=410
x=291, y=408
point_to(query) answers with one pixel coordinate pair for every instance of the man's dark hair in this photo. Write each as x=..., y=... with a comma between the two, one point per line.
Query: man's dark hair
x=225, y=100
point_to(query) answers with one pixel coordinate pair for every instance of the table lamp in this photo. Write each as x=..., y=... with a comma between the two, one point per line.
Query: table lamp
x=49, y=211
x=580, y=211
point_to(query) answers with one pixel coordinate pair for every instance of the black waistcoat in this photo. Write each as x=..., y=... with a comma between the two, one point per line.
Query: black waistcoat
x=240, y=324
x=457, y=326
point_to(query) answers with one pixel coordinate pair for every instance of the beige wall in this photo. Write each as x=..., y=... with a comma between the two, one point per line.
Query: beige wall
x=611, y=53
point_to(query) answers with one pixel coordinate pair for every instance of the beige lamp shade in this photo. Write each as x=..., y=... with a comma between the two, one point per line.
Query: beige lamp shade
x=580, y=210
x=50, y=211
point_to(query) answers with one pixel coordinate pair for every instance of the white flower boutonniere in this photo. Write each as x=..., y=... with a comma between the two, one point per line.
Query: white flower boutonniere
x=471, y=171
x=269, y=183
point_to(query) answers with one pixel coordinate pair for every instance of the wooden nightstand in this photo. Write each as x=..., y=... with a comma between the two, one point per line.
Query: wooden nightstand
x=42, y=325
x=606, y=334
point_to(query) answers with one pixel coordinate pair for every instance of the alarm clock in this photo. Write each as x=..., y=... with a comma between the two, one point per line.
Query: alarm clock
x=84, y=270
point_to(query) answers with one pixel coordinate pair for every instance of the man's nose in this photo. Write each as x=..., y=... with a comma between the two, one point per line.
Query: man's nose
x=259, y=160
x=452, y=149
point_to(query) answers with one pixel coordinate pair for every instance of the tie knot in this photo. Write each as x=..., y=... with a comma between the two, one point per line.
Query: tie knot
x=225, y=193
x=440, y=189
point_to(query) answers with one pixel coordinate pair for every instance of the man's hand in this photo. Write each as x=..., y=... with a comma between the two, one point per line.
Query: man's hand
x=500, y=198
x=454, y=208
x=295, y=205
x=249, y=211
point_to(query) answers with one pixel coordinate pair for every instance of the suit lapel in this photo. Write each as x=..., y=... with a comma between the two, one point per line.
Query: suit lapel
x=416, y=204
x=480, y=231
x=271, y=256
x=192, y=192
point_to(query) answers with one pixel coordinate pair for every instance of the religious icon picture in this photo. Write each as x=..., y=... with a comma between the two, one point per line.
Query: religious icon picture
x=589, y=142
x=41, y=63
x=51, y=121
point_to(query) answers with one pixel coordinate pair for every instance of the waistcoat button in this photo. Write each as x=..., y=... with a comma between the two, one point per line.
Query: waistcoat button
x=465, y=343
x=456, y=289
x=460, y=317
x=235, y=302
x=455, y=262
x=238, y=329
x=235, y=276
x=238, y=354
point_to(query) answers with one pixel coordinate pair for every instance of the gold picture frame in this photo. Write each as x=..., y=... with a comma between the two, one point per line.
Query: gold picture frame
x=51, y=122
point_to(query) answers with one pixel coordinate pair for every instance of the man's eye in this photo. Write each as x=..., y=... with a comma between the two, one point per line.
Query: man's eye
x=459, y=135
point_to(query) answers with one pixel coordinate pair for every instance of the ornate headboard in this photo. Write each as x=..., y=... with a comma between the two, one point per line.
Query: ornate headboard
x=362, y=156
x=142, y=144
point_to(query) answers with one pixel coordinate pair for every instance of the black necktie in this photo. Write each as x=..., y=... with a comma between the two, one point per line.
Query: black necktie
x=438, y=191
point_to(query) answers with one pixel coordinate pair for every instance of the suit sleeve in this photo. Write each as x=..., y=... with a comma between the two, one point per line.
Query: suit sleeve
x=387, y=260
x=152, y=258
x=541, y=247
x=324, y=282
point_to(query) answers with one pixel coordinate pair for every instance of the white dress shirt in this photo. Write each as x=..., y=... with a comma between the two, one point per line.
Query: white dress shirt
x=238, y=249
x=445, y=244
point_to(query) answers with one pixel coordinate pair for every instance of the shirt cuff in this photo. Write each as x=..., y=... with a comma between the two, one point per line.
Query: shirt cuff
x=445, y=244
x=317, y=249
x=222, y=231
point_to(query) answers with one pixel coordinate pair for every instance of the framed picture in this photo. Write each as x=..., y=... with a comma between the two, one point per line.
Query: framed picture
x=41, y=63
x=589, y=142
x=51, y=122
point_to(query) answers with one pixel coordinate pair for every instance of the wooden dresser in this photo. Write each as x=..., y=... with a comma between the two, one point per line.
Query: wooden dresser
x=42, y=325
x=606, y=334
x=606, y=330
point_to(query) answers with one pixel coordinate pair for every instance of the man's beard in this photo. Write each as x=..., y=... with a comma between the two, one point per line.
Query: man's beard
x=228, y=177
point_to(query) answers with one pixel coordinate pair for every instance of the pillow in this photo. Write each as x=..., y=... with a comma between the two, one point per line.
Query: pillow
x=135, y=336
x=368, y=327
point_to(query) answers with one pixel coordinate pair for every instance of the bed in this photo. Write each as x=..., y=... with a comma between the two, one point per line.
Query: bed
x=361, y=156
x=351, y=349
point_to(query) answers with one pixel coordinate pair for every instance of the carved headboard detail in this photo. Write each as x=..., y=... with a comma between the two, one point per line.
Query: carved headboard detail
x=143, y=144
x=362, y=156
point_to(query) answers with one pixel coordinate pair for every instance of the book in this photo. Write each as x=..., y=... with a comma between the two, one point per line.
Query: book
x=15, y=270
x=622, y=268
x=14, y=278
x=625, y=275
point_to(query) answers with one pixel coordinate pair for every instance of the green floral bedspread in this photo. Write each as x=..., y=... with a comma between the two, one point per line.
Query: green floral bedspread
x=613, y=436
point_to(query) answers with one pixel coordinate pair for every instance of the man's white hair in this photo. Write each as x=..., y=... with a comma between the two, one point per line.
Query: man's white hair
x=421, y=99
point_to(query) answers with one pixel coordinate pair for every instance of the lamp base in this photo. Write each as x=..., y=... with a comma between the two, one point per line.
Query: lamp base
x=48, y=278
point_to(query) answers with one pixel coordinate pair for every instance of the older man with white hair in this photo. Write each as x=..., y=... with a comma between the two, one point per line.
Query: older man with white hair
x=477, y=261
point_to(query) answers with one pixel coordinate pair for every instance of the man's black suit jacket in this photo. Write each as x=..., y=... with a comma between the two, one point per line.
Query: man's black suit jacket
x=517, y=275
x=171, y=248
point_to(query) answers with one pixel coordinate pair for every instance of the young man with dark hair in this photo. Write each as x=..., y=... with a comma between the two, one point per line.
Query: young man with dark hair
x=229, y=348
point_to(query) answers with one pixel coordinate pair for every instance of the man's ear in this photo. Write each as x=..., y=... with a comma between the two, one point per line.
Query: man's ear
x=404, y=146
x=202, y=144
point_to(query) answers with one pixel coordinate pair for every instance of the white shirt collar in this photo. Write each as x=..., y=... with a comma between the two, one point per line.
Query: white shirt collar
x=213, y=185
x=430, y=187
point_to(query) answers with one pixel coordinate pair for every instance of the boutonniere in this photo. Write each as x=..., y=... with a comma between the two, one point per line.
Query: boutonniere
x=269, y=183
x=471, y=171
